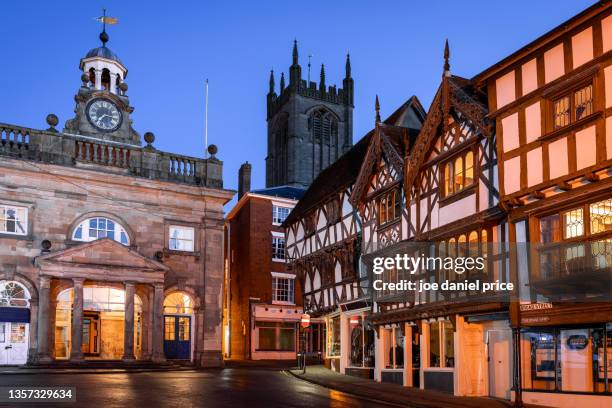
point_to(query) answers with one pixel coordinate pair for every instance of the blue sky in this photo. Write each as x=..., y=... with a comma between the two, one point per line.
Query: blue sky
x=170, y=47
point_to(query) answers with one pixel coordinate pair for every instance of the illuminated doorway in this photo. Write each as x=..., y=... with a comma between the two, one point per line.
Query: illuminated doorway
x=178, y=313
x=103, y=323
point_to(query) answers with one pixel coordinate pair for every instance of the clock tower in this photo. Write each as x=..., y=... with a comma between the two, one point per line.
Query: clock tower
x=102, y=107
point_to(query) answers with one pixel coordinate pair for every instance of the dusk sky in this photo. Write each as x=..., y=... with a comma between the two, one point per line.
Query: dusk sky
x=170, y=47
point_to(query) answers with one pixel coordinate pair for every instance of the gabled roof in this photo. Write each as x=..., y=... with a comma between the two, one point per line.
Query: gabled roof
x=455, y=93
x=344, y=171
x=392, y=140
x=105, y=251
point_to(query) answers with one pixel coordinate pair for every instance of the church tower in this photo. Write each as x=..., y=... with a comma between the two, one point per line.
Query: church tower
x=102, y=107
x=310, y=125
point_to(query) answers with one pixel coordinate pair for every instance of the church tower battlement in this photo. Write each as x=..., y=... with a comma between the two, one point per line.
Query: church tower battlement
x=310, y=125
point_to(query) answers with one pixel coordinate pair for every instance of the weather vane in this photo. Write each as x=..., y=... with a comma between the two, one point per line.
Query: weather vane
x=104, y=19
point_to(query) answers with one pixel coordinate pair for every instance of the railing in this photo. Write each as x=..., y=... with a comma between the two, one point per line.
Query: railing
x=65, y=149
x=97, y=153
x=14, y=139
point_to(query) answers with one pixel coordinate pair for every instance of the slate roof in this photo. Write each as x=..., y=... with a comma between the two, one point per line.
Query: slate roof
x=292, y=193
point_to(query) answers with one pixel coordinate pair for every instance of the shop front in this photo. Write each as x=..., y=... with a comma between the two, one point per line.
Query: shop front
x=14, y=323
x=566, y=355
x=361, y=358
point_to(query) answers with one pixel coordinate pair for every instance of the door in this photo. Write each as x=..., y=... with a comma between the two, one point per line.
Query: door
x=177, y=337
x=91, y=334
x=500, y=363
x=14, y=343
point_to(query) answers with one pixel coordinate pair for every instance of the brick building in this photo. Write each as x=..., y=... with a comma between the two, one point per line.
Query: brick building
x=262, y=305
x=109, y=250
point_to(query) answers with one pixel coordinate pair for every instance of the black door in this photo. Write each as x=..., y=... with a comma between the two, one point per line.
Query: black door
x=177, y=335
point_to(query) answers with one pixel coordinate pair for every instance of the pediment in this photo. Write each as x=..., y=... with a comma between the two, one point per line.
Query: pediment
x=103, y=252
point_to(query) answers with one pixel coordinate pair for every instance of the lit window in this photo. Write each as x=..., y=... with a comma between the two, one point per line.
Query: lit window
x=181, y=238
x=13, y=294
x=279, y=214
x=441, y=344
x=458, y=173
x=282, y=290
x=394, y=348
x=13, y=220
x=100, y=227
x=601, y=216
x=389, y=205
x=567, y=109
x=573, y=223
x=278, y=248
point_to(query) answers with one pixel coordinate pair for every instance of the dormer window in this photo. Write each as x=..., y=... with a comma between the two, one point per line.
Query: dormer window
x=389, y=207
x=100, y=227
x=458, y=173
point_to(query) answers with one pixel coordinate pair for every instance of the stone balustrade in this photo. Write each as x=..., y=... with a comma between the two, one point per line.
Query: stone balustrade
x=50, y=146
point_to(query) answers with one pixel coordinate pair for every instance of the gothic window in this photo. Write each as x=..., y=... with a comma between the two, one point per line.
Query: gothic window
x=324, y=127
x=100, y=227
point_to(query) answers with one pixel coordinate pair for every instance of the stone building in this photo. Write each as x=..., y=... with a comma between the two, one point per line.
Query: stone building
x=309, y=126
x=263, y=305
x=109, y=250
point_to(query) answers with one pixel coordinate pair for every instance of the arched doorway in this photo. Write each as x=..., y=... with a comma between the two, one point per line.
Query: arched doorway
x=14, y=323
x=178, y=326
x=103, y=323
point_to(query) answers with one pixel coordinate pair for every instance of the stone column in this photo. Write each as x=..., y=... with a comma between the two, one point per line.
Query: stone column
x=158, y=323
x=128, y=331
x=113, y=83
x=44, y=308
x=76, y=353
x=98, y=73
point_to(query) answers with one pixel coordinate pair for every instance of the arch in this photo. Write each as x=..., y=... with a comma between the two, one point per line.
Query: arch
x=29, y=286
x=105, y=79
x=178, y=302
x=92, y=76
x=101, y=214
x=186, y=289
x=14, y=294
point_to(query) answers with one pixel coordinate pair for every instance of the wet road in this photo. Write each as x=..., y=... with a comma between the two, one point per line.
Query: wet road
x=233, y=387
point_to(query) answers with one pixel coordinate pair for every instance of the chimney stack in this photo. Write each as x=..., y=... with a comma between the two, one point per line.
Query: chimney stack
x=244, y=179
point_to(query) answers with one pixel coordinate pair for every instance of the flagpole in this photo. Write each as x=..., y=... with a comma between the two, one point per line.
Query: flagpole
x=206, y=122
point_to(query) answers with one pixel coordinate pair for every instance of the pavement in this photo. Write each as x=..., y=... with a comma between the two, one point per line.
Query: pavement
x=392, y=393
x=239, y=387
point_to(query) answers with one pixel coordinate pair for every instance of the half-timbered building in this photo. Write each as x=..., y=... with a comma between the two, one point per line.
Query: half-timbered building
x=552, y=105
x=449, y=208
x=324, y=233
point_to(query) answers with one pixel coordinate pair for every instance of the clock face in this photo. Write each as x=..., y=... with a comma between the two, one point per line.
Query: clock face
x=104, y=115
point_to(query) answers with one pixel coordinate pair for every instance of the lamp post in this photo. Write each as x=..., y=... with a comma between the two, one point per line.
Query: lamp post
x=304, y=323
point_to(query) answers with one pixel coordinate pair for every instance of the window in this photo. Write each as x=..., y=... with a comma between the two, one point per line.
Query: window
x=586, y=220
x=100, y=227
x=333, y=337
x=13, y=220
x=279, y=214
x=324, y=127
x=570, y=359
x=441, y=344
x=169, y=330
x=573, y=106
x=458, y=173
x=389, y=205
x=275, y=336
x=394, y=346
x=278, y=248
x=178, y=303
x=282, y=290
x=13, y=294
x=362, y=343
x=181, y=238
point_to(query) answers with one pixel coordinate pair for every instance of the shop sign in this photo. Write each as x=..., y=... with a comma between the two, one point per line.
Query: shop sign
x=577, y=342
x=535, y=306
x=354, y=321
x=305, y=320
